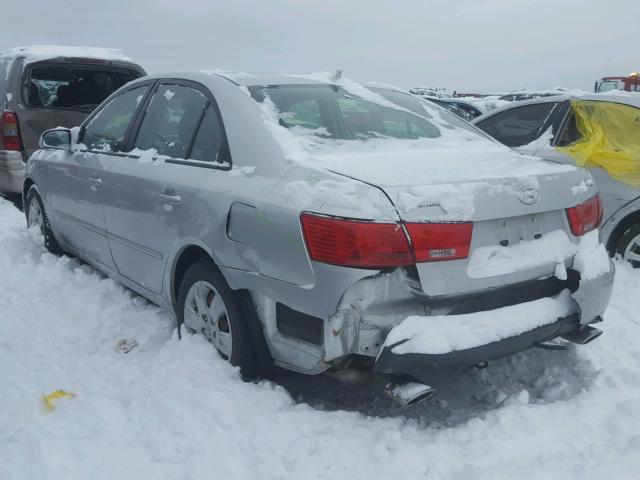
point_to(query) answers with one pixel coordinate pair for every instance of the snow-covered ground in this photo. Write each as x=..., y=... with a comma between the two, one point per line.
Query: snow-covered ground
x=174, y=410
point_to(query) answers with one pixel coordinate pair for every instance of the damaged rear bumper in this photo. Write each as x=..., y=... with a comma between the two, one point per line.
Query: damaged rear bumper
x=591, y=299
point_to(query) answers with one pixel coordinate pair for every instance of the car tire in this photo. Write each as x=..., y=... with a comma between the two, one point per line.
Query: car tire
x=628, y=246
x=205, y=293
x=36, y=216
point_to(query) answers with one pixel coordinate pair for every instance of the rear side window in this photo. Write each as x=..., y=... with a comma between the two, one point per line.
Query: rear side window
x=208, y=145
x=75, y=88
x=518, y=126
x=171, y=120
x=107, y=129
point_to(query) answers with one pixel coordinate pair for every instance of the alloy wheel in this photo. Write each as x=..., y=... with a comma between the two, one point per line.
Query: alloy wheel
x=205, y=305
x=632, y=252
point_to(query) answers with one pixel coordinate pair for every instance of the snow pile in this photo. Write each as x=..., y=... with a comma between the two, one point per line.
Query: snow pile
x=313, y=194
x=582, y=187
x=492, y=261
x=440, y=334
x=487, y=103
x=592, y=259
x=174, y=409
x=622, y=93
x=36, y=53
x=543, y=140
x=454, y=201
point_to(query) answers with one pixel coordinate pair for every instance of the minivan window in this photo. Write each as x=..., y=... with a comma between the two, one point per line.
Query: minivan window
x=68, y=87
x=209, y=142
x=107, y=129
x=170, y=123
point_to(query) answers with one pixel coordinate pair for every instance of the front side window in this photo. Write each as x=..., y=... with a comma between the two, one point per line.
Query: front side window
x=107, y=129
x=518, y=126
x=76, y=88
x=171, y=120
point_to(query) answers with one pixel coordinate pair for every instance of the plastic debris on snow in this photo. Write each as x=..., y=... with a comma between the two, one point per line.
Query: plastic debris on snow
x=125, y=346
x=49, y=401
x=440, y=334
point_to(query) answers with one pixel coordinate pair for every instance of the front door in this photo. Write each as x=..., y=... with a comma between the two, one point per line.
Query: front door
x=151, y=193
x=77, y=192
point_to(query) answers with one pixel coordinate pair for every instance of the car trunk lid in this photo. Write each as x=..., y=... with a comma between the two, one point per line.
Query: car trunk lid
x=517, y=205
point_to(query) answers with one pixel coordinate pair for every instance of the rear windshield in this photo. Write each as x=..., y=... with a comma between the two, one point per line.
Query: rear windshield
x=76, y=88
x=448, y=113
x=332, y=112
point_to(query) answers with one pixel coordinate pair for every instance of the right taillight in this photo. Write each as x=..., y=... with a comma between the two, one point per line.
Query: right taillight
x=10, y=132
x=356, y=243
x=585, y=217
x=433, y=242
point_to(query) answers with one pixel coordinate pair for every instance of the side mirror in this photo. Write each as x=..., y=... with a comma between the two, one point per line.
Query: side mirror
x=58, y=138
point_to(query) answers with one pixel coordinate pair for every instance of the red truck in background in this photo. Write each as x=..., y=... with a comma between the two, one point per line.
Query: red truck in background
x=628, y=84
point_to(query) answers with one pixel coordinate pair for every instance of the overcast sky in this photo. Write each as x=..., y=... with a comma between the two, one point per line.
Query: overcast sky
x=466, y=45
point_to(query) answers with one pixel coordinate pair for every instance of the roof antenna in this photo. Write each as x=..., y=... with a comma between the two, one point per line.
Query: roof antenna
x=336, y=76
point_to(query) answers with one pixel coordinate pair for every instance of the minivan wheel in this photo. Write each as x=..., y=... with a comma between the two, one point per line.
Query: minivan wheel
x=208, y=306
x=629, y=245
x=37, y=217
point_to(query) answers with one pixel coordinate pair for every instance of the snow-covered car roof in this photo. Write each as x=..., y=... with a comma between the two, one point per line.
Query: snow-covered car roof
x=626, y=98
x=44, y=52
x=247, y=79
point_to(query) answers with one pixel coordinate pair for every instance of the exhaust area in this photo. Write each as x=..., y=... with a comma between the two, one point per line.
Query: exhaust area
x=408, y=394
x=584, y=335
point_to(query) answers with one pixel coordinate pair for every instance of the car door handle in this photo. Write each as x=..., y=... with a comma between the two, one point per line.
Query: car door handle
x=169, y=199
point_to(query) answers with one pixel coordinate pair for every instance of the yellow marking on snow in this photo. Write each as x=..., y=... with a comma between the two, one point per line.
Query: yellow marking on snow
x=49, y=401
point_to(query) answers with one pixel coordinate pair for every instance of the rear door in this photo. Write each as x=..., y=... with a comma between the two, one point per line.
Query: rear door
x=62, y=93
x=152, y=192
x=75, y=178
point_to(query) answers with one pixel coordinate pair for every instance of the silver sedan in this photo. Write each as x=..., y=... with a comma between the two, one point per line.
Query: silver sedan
x=317, y=225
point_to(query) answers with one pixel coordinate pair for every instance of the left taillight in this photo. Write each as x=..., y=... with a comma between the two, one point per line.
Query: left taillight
x=354, y=243
x=10, y=131
x=585, y=217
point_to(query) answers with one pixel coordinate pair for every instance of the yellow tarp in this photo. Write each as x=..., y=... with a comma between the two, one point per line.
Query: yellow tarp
x=610, y=139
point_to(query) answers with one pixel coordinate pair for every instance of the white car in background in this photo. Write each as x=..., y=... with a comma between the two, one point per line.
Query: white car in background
x=547, y=127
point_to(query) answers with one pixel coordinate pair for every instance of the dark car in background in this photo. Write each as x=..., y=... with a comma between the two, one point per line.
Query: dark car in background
x=43, y=87
x=462, y=108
